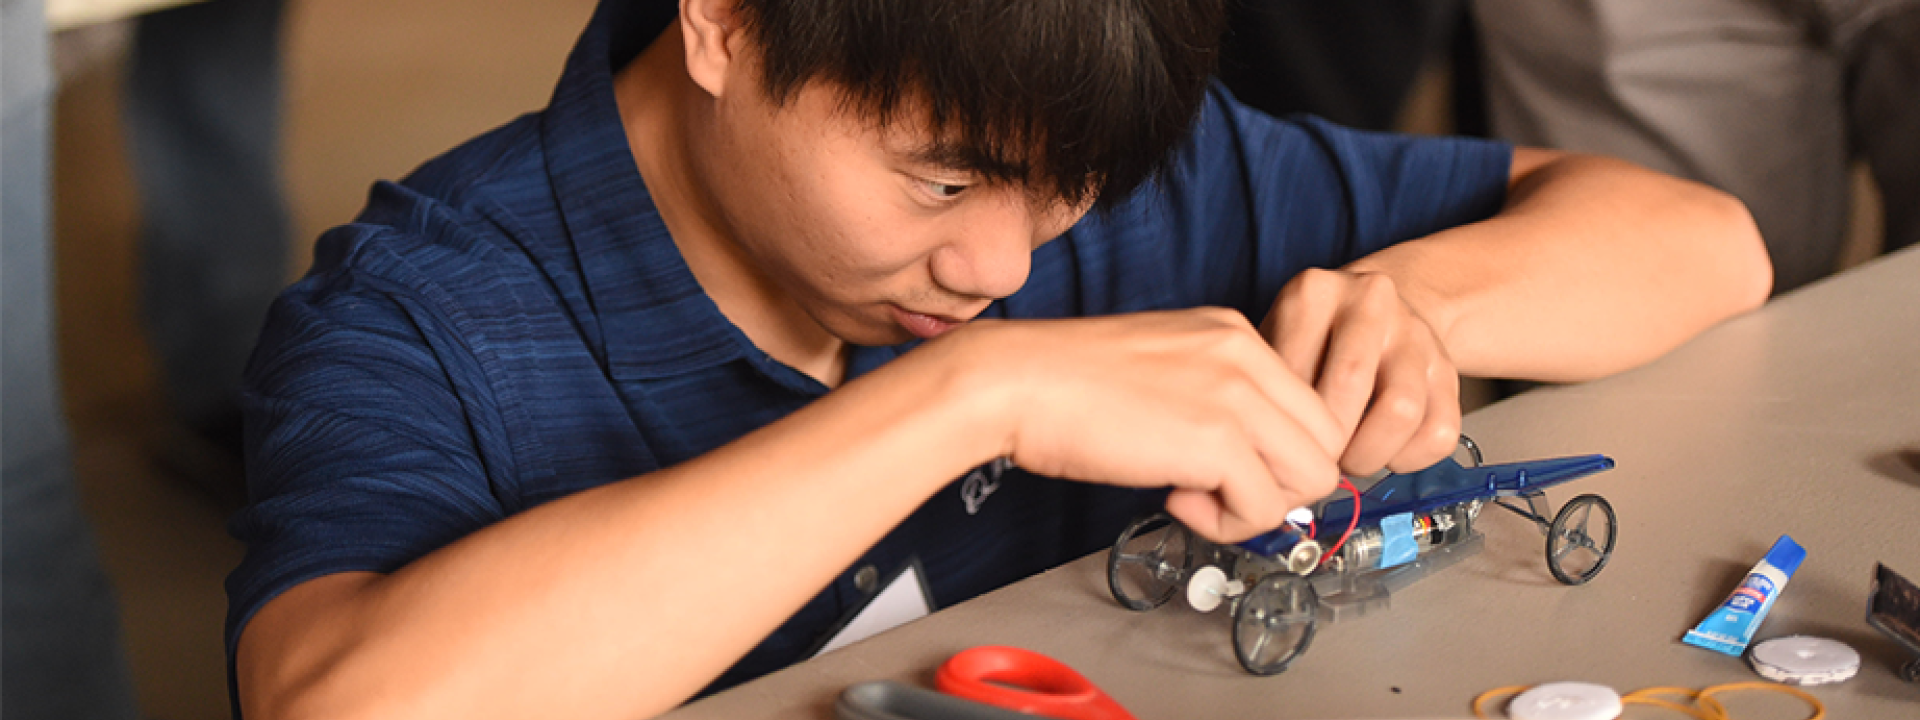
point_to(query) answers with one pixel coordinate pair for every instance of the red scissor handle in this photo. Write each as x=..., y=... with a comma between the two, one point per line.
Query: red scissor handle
x=1027, y=682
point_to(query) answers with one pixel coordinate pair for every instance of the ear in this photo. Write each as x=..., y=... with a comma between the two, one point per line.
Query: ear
x=710, y=29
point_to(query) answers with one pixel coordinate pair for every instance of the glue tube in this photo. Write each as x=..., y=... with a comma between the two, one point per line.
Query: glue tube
x=1730, y=627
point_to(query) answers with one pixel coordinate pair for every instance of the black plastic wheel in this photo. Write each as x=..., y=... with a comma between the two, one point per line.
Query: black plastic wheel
x=1149, y=562
x=1578, y=547
x=1471, y=450
x=1275, y=622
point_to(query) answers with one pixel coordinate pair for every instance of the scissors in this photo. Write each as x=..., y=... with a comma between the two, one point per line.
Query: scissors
x=991, y=682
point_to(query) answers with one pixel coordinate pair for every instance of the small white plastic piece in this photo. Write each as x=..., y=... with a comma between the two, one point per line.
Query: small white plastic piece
x=1207, y=588
x=1301, y=516
x=1804, y=660
x=1566, y=701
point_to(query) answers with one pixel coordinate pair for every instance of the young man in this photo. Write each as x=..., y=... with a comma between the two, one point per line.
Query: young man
x=624, y=394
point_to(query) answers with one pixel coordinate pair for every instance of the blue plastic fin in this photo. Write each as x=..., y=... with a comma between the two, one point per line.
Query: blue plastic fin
x=1533, y=475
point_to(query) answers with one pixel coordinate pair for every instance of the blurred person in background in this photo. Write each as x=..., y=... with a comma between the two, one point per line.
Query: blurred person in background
x=203, y=127
x=62, y=657
x=1355, y=63
x=1770, y=100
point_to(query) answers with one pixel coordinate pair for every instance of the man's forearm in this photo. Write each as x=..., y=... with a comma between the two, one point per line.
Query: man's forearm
x=1594, y=266
x=623, y=600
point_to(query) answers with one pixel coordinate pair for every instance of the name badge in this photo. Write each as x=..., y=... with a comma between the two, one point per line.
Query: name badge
x=903, y=598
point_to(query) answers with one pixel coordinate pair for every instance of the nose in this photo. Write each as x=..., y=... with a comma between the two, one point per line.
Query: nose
x=981, y=267
x=991, y=250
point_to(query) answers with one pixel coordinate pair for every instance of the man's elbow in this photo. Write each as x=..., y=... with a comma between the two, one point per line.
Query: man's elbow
x=302, y=656
x=1740, y=264
x=317, y=689
x=305, y=702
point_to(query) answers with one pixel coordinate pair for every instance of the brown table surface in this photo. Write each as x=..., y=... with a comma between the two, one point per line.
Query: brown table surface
x=1800, y=419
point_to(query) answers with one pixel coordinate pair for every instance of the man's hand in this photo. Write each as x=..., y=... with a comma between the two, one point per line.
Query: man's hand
x=1193, y=399
x=1376, y=363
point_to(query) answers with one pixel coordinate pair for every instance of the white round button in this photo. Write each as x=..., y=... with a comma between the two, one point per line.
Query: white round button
x=1566, y=701
x=1804, y=660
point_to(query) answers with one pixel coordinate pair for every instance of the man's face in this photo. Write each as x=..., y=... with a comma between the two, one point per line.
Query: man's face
x=855, y=226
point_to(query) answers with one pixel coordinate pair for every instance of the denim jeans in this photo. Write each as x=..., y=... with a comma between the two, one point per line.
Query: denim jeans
x=58, y=621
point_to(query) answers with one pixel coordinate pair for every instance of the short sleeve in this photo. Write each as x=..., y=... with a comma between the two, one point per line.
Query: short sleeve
x=370, y=430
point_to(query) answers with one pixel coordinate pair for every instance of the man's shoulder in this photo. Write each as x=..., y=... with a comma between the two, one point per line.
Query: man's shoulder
x=471, y=245
x=484, y=207
x=501, y=165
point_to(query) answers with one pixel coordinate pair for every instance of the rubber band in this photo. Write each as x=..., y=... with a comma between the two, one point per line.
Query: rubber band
x=1688, y=693
x=1650, y=697
x=1689, y=711
x=1713, y=706
x=1706, y=697
x=1479, y=703
x=1705, y=705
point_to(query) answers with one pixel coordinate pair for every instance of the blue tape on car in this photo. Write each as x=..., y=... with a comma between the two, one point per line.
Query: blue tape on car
x=1397, y=546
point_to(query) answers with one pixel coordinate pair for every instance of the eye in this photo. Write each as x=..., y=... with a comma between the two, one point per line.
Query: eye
x=943, y=191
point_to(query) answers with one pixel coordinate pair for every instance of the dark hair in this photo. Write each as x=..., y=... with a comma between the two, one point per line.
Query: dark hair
x=1084, y=98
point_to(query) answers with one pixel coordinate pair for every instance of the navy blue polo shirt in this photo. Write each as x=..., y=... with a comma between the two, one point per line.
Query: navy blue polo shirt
x=512, y=323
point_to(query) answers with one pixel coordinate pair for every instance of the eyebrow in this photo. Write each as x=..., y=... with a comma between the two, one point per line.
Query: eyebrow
x=938, y=154
x=953, y=156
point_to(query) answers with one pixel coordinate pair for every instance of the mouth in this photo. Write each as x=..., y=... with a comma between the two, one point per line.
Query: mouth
x=922, y=325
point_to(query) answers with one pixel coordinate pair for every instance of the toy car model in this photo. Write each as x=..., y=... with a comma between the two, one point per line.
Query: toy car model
x=1354, y=552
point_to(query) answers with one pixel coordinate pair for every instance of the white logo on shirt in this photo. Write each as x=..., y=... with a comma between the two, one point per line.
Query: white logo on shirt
x=982, y=482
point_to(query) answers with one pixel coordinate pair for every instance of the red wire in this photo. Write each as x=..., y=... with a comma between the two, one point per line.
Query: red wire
x=1351, y=523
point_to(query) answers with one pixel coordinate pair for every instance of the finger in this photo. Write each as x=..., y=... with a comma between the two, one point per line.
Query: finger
x=1303, y=466
x=1290, y=397
x=1202, y=512
x=1351, y=371
x=1263, y=463
x=1234, y=496
x=1206, y=515
x=1251, y=500
x=1399, y=409
x=1439, y=433
x=1297, y=325
x=1184, y=423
